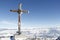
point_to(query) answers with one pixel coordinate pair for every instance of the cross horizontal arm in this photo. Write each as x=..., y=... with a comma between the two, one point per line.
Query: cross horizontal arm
x=13, y=10
x=25, y=11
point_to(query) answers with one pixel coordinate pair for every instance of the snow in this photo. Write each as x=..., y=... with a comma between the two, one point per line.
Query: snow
x=35, y=32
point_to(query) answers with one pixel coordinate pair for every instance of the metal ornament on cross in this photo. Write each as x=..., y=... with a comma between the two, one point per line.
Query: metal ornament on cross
x=19, y=11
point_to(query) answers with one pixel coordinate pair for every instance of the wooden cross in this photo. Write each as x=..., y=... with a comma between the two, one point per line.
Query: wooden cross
x=19, y=11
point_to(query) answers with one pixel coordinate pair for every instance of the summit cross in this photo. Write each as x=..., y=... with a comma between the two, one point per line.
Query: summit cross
x=19, y=11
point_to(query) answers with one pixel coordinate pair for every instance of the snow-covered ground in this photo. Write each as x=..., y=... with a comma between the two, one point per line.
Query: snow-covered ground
x=34, y=32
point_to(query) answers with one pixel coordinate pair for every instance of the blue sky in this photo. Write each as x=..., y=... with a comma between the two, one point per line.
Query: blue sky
x=42, y=13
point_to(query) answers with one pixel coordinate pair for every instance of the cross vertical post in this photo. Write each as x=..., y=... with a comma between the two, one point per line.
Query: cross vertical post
x=19, y=11
x=19, y=23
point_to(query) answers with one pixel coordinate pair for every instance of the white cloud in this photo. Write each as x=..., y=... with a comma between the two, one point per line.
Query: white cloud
x=12, y=25
x=7, y=24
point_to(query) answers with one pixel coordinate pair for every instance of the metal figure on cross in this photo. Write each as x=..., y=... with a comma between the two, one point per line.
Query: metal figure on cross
x=19, y=11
